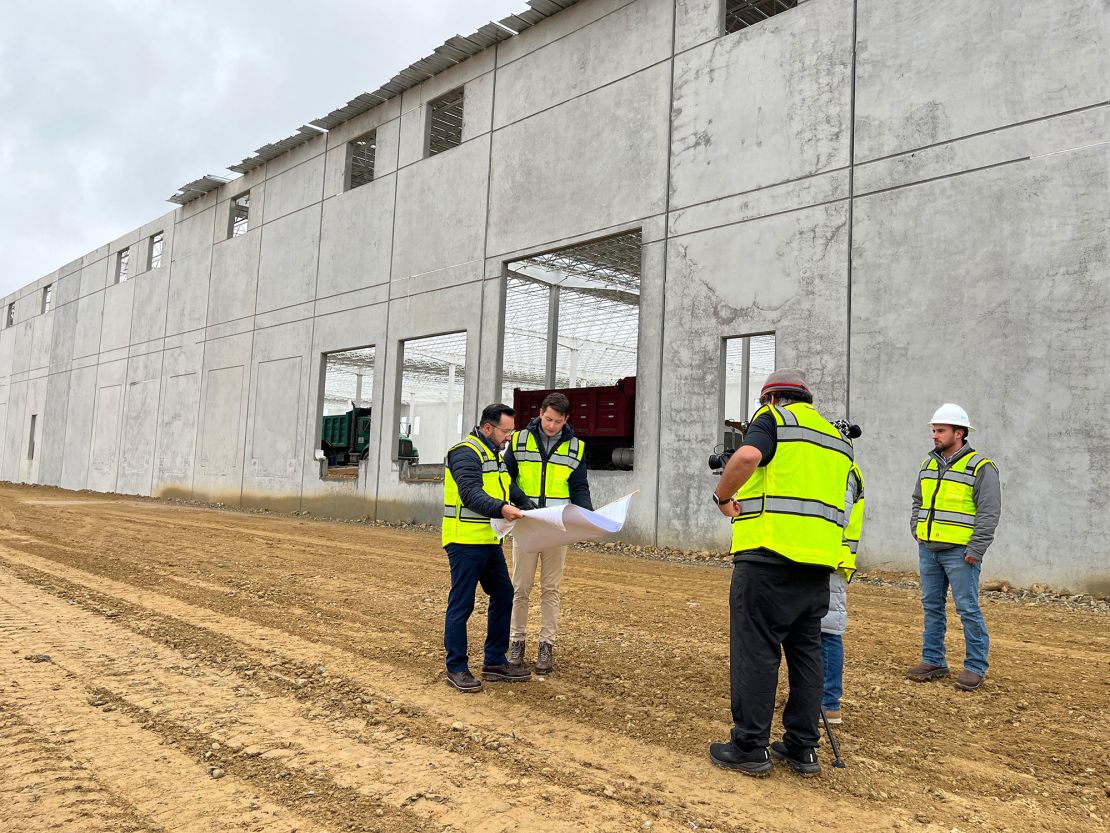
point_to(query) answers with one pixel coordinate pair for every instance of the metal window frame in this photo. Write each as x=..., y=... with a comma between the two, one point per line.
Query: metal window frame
x=233, y=227
x=370, y=137
x=455, y=97
x=733, y=11
x=158, y=237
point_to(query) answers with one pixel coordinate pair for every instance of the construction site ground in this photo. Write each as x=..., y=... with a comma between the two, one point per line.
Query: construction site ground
x=166, y=667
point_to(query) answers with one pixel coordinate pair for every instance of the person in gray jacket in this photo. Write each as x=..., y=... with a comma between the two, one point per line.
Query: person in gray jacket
x=955, y=509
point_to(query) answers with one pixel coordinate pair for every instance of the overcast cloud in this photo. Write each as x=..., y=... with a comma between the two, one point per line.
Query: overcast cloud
x=107, y=106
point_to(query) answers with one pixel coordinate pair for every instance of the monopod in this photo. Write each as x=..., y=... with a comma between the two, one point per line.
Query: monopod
x=838, y=762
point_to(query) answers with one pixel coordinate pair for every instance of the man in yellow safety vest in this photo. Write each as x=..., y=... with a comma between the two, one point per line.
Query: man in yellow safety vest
x=956, y=505
x=476, y=488
x=784, y=490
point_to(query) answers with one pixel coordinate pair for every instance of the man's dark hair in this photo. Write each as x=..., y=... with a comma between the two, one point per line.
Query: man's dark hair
x=962, y=428
x=491, y=414
x=786, y=398
x=556, y=402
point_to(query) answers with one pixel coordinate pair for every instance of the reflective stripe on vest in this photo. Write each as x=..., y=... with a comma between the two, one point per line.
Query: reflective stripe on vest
x=547, y=482
x=794, y=506
x=947, y=512
x=462, y=525
x=852, y=531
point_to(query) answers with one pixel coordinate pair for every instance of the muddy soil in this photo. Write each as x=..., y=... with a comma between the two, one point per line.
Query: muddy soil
x=173, y=668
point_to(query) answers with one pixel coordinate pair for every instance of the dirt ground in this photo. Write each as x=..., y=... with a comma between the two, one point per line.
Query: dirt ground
x=172, y=668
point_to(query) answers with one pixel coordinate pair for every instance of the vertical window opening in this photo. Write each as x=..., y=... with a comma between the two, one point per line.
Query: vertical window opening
x=9, y=319
x=445, y=122
x=433, y=387
x=749, y=360
x=122, y=258
x=360, y=160
x=239, y=219
x=154, y=251
x=31, y=443
x=47, y=298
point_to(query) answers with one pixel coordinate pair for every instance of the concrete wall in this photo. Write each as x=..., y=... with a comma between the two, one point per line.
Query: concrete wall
x=913, y=198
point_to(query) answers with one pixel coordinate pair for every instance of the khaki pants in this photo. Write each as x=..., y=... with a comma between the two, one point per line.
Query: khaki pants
x=524, y=575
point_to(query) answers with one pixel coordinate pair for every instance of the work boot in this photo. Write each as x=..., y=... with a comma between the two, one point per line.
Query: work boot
x=923, y=672
x=802, y=760
x=463, y=681
x=730, y=756
x=969, y=680
x=516, y=653
x=506, y=673
x=545, y=662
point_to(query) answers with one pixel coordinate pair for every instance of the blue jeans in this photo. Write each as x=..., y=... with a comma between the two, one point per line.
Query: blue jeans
x=939, y=571
x=471, y=565
x=832, y=651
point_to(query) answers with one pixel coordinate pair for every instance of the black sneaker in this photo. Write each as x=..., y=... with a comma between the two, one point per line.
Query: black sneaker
x=802, y=759
x=730, y=756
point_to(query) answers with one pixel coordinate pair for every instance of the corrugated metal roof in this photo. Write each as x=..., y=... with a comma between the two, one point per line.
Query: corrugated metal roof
x=197, y=188
x=452, y=51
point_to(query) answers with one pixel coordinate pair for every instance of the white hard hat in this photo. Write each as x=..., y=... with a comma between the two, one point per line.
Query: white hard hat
x=951, y=414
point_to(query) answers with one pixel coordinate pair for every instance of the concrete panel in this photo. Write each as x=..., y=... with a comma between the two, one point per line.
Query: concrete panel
x=94, y=277
x=619, y=44
x=277, y=419
x=785, y=274
x=253, y=182
x=225, y=388
x=193, y=234
x=107, y=422
x=540, y=197
x=985, y=289
x=231, y=291
x=79, y=423
x=7, y=352
x=86, y=335
x=179, y=416
x=294, y=189
x=151, y=306
x=16, y=434
x=385, y=156
x=62, y=336
x=188, y=292
x=478, y=107
x=356, y=241
x=558, y=26
x=140, y=425
x=24, y=333
x=441, y=210
x=767, y=104
x=67, y=289
x=54, y=429
x=287, y=267
x=697, y=21
x=42, y=336
x=926, y=74
x=118, y=302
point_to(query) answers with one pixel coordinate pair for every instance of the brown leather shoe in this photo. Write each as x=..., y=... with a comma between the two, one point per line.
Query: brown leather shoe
x=969, y=680
x=463, y=681
x=545, y=662
x=923, y=672
x=506, y=673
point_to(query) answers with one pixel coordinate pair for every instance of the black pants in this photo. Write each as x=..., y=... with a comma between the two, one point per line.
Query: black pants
x=776, y=608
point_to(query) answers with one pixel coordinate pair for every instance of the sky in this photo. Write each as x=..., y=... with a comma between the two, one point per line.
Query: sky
x=107, y=106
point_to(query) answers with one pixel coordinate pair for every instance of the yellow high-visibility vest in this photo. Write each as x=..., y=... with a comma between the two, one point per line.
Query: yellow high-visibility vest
x=461, y=525
x=852, y=531
x=794, y=506
x=947, y=512
x=548, y=480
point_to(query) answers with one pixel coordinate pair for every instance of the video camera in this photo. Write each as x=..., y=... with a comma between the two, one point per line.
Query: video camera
x=734, y=437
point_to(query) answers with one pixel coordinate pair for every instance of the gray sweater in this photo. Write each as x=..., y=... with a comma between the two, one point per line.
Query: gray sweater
x=987, y=493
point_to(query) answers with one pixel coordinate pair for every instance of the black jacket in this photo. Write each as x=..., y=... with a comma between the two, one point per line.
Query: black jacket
x=466, y=468
x=578, y=484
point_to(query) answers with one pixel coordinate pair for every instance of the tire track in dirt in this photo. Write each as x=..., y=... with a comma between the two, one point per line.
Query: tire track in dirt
x=632, y=781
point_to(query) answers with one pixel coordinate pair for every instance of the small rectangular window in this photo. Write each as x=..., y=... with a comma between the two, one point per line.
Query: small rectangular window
x=360, y=160
x=154, y=251
x=48, y=298
x=9, y=321
x=445, y=122
x=740, y=14
x=239, y=220
x=121, y=265
x=31, y=443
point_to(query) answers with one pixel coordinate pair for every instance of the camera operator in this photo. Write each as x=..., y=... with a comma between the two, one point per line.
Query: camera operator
x=784, y=490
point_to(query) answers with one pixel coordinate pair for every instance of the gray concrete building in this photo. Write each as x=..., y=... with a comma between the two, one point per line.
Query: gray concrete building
x=910, y=200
